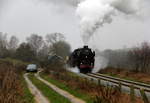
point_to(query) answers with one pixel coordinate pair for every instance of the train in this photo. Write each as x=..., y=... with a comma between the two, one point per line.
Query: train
x=83, y=58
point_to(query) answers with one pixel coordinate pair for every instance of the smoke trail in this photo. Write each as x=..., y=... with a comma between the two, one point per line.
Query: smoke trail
x=95, y=13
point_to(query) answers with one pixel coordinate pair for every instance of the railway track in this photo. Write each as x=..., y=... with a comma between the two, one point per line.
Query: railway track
x=137, y=85
x=125, y=84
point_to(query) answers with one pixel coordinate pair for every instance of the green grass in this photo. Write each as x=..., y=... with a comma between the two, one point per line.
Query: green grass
x=27, y=97
x=74, y=92
x=53, y=96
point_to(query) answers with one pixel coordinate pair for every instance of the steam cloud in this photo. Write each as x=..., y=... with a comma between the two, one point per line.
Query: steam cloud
x=95, y=13
x=100, y=63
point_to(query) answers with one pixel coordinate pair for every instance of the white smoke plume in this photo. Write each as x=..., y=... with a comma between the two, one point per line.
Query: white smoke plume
x=100, y=63
x=95, y=13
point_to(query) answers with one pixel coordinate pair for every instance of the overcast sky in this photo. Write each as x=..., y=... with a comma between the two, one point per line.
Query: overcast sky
x=24, y=17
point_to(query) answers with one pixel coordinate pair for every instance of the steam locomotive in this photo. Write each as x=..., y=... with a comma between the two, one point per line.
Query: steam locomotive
x=83, y=58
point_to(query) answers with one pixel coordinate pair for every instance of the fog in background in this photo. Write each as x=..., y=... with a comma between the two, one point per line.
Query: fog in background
x=24, y=17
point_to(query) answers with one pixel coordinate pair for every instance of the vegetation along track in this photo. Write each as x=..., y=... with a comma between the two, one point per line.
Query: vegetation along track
x=125, y=84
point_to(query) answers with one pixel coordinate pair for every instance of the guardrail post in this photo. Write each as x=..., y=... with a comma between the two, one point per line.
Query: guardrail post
x=132, y=94
x=99, y=82
x=119, y=86
x=145, y=99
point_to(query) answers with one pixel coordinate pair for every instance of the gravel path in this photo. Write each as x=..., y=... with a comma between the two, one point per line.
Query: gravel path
x=39, y=98
x=72, y=98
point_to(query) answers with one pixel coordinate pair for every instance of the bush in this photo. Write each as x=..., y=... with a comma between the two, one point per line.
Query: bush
x=55, y=66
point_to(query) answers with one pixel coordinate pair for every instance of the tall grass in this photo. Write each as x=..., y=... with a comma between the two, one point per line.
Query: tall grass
x=12, y=85
x=10, y=88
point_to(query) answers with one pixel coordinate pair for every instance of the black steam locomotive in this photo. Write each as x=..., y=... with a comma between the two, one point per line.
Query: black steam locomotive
x=83, y=58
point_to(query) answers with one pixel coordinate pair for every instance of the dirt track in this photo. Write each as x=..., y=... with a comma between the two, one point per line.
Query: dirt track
x=39, y=98
x=72, y=98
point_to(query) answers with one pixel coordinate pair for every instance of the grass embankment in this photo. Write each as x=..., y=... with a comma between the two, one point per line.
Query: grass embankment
x=63, y=86
x=53, y=96
x=127, y=74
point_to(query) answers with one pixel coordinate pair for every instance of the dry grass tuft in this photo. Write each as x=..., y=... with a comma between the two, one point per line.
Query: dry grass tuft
x=10, y=87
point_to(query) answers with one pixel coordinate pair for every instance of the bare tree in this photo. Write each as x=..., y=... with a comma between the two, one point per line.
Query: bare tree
x=3, y=40
x=61, y=48
x=54, y=37
x=13, y=43
x=25, y=53
x=57, y=45
x=140, y=57
x=134, y=56
x=36, y=42
x=43, y=52
x=3, y=45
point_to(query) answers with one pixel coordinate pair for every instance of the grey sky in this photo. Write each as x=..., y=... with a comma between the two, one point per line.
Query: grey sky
x=23, y=17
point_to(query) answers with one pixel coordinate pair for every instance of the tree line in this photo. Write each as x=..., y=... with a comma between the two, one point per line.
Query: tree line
x=136, y=58
x=35, y=49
